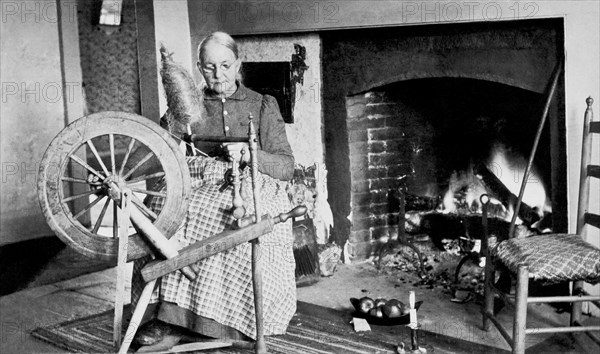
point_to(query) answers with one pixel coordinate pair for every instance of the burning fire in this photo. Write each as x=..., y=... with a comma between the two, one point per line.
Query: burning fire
x=510, y=169
x=466, y=187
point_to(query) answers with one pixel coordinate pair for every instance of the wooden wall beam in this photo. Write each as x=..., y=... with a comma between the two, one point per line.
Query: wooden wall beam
x=144, y=14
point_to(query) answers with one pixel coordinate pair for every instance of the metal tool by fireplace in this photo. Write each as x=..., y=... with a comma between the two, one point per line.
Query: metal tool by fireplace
x=402, y=238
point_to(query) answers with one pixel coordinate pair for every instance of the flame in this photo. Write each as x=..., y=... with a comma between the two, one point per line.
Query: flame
x=470, y=187
x=509, y=169
x=448, y=202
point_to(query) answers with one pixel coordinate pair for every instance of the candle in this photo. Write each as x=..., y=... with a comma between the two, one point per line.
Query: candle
x=412, y=311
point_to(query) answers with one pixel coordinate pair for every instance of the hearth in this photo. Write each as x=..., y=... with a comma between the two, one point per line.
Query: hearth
x=441, y=114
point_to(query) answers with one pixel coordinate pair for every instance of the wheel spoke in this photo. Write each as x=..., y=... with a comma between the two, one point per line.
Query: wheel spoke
x=77, y=196
x=142, y=161
x=145, y=177
x=144, y=208
x=88, y=207
x=79, y=180
x=111, y=141
x=95, y=152
x=152, y=193
x=129, y=149
x=88, y=167
x=101, y=216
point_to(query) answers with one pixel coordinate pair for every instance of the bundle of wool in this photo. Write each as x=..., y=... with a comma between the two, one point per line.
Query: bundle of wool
x=184, y=99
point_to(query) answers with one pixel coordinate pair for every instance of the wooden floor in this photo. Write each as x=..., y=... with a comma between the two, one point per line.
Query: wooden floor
x=48, y=297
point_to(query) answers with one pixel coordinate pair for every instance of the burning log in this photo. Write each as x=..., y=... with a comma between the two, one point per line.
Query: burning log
x=442, y=227
x=526, y=213
x=421, y=203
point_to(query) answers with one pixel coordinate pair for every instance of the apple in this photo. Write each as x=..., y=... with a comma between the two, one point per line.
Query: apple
x=405, y=309
x=380, y=302
x=366, y=304
x=376, y=312
x=392, y=310
x=394, y=301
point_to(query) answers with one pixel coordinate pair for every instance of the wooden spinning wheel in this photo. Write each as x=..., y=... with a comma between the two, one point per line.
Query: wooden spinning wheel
x=91, y=161
x=106, y=159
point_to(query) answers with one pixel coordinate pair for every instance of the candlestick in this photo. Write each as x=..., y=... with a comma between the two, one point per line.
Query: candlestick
x=414, y=339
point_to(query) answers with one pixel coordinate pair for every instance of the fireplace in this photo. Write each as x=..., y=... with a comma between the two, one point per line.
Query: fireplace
x=420, y=107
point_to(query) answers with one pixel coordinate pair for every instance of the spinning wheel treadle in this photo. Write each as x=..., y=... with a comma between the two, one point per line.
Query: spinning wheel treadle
x=117, y=148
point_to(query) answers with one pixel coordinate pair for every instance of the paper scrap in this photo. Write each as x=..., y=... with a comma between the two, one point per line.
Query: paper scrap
x=360, y=325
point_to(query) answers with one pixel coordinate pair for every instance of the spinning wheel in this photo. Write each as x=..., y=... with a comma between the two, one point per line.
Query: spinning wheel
x=112, y=156
x=91, y=161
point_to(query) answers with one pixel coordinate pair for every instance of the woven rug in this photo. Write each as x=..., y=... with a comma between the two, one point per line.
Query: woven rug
x=314, y=329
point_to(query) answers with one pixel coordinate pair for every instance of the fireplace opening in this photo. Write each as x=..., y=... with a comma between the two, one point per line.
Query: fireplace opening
x=447, y=125
x=443, y=142
x=443, y=113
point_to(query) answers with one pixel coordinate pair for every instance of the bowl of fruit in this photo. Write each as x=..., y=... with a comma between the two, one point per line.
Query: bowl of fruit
x=381, y=311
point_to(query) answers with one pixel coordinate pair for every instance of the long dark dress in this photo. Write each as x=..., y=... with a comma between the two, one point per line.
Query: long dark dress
x=220, y=302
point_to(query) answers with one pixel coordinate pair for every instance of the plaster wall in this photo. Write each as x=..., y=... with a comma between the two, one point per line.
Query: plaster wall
x=172, y=28
x=304, y=135
x=32, y=111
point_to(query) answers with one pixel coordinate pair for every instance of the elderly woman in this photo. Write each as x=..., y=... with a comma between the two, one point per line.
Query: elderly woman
x=219, y=302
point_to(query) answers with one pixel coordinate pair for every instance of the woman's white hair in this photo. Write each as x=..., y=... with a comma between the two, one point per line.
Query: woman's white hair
x=223, y=39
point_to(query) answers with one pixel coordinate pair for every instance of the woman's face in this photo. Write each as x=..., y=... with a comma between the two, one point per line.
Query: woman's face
x=220, y=67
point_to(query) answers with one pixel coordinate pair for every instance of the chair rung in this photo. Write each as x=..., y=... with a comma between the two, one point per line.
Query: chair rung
x=506, y=297
x=500, y=328
x=561, y=329
x=592, y=219
x=593, y=171
x=548, y=299
x=594, y=127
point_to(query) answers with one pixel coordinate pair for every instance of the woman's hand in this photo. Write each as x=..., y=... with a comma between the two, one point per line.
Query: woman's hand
x=93, y=181
x=238, y=151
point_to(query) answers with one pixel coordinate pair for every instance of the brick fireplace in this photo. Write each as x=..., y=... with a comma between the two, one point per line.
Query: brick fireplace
x=411, y=105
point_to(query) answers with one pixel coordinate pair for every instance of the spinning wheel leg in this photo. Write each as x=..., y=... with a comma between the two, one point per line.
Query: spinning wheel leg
x=138, y=313
x=121, y=268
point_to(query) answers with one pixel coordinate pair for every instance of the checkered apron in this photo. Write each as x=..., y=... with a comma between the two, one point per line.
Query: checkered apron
x=223, y=289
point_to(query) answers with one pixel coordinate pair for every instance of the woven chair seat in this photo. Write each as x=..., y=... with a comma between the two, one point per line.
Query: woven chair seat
x=552, y=258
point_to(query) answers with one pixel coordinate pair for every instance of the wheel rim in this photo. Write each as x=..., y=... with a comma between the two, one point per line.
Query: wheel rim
x=116, y=148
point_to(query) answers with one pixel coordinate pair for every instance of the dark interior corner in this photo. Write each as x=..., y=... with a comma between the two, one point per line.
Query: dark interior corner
x=41, y=261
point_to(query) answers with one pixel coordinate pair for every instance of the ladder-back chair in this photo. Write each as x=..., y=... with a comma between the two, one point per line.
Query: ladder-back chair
x=549, y=258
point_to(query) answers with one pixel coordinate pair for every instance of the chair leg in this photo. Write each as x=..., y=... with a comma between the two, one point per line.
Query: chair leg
x=520, y=320
x=488, y=304
x=576, y=307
